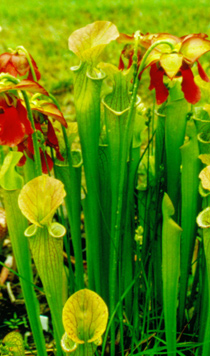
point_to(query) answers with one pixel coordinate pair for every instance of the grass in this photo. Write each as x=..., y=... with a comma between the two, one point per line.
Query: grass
x=44, y=26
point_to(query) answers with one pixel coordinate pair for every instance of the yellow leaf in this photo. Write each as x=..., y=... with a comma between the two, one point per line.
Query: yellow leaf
x=194, y=47
x=85, y=316
x=88, y=42
x=40, y=198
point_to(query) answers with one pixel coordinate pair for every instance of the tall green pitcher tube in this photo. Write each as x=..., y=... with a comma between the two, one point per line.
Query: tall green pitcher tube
x=38, y=201
x=11, y=183
x=87, y=89
x=175, y=126
x=87, y=43
x=171, y=234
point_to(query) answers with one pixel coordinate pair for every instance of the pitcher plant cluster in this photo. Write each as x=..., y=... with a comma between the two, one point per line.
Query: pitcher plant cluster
x=139, y=175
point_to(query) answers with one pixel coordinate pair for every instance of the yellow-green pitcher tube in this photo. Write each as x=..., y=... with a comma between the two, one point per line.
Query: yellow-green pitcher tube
x=190, y=207
x=171, y=234
x=11, y=183
x=87, y=92
x=38, y=201
x=47, y=252
x=175, y=127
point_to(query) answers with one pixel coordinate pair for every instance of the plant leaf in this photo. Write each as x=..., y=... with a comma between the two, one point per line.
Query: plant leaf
x=189, y=210
x=17, y=224
x=171, y=234
x=88, y=42
x=194, y=47
x=29, y=85
x=85, y=316
x=49, y=109
x=9, y=178
x=40, y=198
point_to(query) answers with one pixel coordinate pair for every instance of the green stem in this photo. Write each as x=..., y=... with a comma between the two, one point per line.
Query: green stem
x=34, y=135
x=171, y=234
x=189, y=209
x=142, y=65
x=174, y=139
x=128, y=242
x=20, y=276
x=68, y=148
x=38, y=164
x=1, y=155
x=150, y=49
x=115, y=311
x=24, y=50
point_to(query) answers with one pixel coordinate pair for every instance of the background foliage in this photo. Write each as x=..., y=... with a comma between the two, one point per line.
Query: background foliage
x=44, y=26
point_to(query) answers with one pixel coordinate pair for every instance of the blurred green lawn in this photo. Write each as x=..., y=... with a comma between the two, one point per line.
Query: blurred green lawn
x=43, y=26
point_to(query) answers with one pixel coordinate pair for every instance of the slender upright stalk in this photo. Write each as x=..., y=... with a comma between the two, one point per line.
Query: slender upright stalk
x=24, y=50
x=190, y=200
x=87, y=101
x=38, y=164
x=174, y=139
x=128, y=240
x=171, y=234
x=1, y=155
